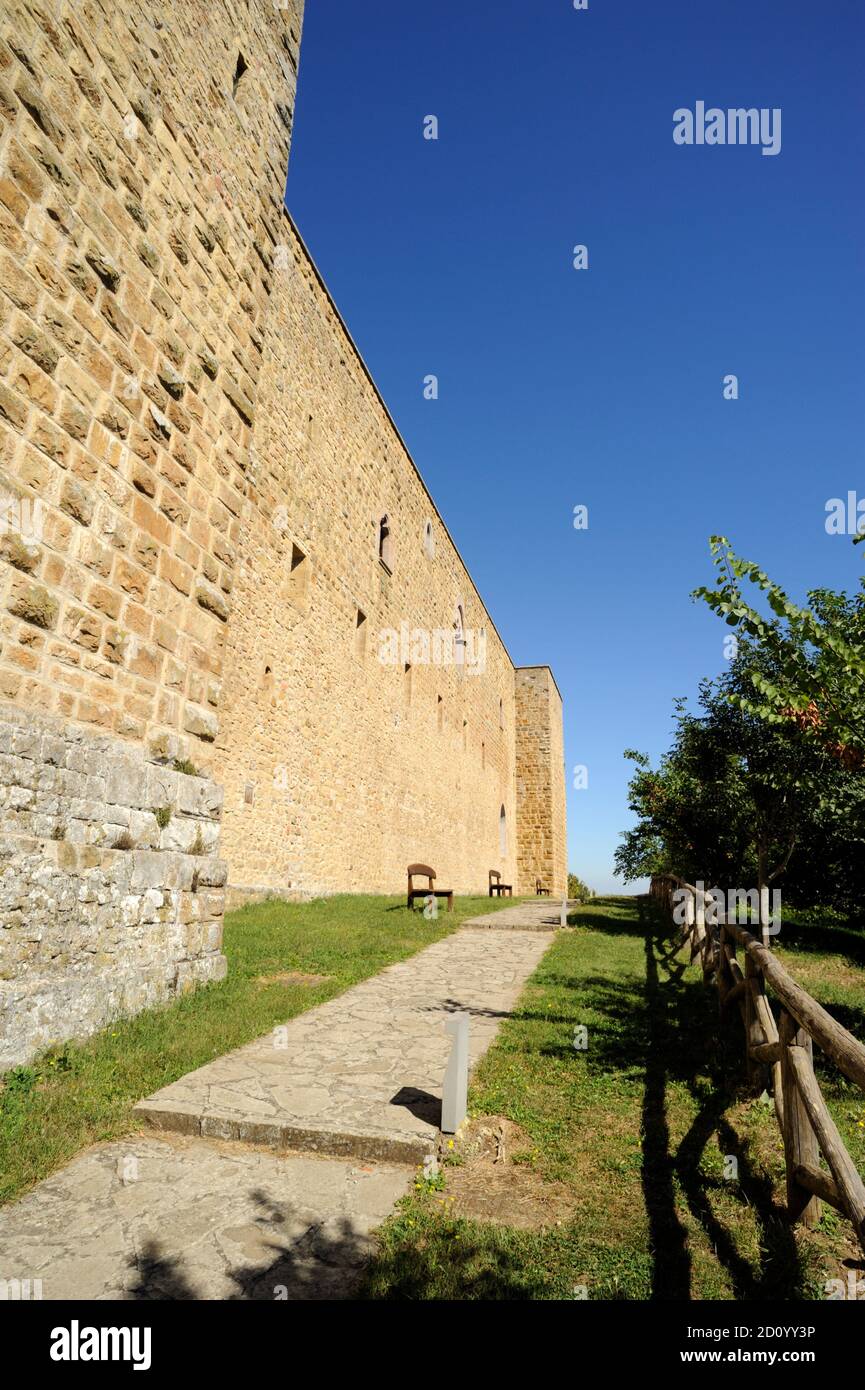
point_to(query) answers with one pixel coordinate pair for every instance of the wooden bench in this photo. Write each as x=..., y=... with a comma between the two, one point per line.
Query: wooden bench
x=539, y=891
x=504, y=890
x=424, y=871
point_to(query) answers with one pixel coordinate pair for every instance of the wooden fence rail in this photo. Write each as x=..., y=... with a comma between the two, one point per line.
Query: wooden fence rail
x=782, y=1049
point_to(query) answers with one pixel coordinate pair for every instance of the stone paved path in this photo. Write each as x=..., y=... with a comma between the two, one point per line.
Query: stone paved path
x=362, y=1074
x=175, y=1218
x=540, y=914
x=187, y=1215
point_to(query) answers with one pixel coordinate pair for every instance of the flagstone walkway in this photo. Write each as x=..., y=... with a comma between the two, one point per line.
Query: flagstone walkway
x=540, y=914
x=203, y=1210
x=360, y=1076
x=175, y=1218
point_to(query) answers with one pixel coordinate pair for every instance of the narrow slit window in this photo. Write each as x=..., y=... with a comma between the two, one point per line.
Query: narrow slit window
x=360, y=626
x=298, y=574
x=385, y=544
x=240, y=70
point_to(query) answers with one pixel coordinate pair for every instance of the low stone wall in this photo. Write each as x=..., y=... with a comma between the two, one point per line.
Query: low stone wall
x=111, y=889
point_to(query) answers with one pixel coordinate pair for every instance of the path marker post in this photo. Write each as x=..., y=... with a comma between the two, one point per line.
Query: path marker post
x=456, y=1083
x=563, y=913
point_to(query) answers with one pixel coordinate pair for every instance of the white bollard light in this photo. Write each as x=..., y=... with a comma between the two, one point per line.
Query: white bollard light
x=456, y=1084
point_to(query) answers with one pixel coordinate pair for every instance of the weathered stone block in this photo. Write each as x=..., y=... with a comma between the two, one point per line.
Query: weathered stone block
x=33, y=603
x=198, y=796
x=201, y=722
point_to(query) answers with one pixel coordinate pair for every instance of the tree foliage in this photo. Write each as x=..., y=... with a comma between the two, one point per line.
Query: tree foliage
x=812, y=672
x=578, y=889
x=744, y=801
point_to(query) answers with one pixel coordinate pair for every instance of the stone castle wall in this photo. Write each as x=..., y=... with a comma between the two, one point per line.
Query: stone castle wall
x=193, y=465
x=340, y=768
x=143, y=150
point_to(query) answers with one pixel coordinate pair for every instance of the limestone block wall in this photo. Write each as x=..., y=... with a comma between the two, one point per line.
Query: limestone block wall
x=339, y=767
x=143, y=149
x=541, y=813
x=111, y=897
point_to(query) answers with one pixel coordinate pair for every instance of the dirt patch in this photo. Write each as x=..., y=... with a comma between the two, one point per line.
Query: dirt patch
x=495, y=1180
x=292, y=977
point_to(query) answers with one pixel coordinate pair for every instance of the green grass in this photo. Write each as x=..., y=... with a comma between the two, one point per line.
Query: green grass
x=78, y=1095
x=638, y=1126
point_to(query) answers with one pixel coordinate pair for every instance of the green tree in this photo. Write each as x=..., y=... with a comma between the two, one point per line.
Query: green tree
x=740, y=801
x=812, y=675
x=579, y=890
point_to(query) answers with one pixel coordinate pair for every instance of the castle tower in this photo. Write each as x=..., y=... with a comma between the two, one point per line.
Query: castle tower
x=540, y=763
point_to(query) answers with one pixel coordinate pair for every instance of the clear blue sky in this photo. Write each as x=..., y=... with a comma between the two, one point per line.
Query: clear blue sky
x=601, y=387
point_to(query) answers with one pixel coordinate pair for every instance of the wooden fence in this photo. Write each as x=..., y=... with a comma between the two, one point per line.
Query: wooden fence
x=783, y=1048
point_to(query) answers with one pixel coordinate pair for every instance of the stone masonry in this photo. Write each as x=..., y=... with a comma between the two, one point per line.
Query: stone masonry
x=541, y=838
x=194, y=469
x=344, y=757
x=112, y=897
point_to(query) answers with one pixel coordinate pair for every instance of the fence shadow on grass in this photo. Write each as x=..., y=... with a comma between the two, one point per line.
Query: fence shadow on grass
x=664, y=1033
x=842, y=939
x=686, y=1043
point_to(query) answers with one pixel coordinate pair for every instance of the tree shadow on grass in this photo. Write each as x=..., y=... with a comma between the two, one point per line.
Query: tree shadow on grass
x=596, y=916
x=840, y=940
x=848, y=1015
x=334, y=1263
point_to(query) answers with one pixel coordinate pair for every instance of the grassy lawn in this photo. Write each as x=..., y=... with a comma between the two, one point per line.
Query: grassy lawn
x=77, y=1095
x=638, y=1127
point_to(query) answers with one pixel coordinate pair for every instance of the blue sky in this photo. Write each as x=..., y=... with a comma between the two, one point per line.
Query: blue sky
x=601, y=387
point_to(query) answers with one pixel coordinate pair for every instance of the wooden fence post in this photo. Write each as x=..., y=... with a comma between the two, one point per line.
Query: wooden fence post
x=721, y=976
x=753, y=1032
x=800, y=1140
x=755, y=991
